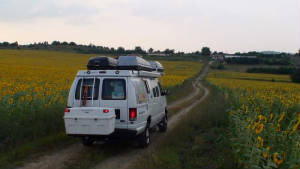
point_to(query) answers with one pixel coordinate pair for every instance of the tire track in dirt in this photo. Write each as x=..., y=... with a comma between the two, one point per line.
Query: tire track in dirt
x=57, y=159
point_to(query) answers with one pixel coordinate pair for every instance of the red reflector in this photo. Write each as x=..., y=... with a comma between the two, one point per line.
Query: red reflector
x=67, y=110
x=105, y=110
x=132, y=113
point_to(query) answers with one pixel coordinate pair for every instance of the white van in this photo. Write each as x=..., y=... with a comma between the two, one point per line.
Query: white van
x=122, y=98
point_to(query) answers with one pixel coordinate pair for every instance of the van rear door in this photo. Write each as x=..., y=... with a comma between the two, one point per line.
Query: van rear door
x=114, y=95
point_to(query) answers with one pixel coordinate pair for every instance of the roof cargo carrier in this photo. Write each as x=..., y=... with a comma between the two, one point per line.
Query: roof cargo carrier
x=134, y=63
x=102, y=63
x=157, y=66
x=125, y=63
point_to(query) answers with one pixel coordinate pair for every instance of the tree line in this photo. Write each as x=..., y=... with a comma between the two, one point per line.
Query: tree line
x=259, y=60
x=94, y=49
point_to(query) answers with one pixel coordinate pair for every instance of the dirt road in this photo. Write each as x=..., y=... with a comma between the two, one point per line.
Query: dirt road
x=122, y=160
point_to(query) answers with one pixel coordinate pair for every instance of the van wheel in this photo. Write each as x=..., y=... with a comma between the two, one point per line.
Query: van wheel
x=163, y=126
x=144, y=138
x=87, y=141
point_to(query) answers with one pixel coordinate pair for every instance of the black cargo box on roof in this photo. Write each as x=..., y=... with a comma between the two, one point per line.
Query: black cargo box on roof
x=102, y=63
x=134, y=63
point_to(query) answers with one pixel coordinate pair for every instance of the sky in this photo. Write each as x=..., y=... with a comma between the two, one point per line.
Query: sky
x=184, y=25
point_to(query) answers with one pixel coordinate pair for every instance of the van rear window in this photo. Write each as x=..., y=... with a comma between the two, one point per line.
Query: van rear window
x=86, y=86
x=113, y=89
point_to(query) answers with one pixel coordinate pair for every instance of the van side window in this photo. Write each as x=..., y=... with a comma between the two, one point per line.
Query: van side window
x=87, y=89
x=160, y=88
x=113, y=89
x=140, y=91
x=147, y=86
x=154, y=92
x=157, y=91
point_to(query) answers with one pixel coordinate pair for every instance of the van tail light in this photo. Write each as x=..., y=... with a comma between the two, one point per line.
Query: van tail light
x=105, y=111
x=67, y=110
x=132, y=114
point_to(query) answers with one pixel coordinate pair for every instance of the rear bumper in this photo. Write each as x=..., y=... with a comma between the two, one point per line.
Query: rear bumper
x=118, y=133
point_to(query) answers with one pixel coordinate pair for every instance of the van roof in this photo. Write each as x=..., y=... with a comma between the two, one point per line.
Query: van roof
x=118, y=73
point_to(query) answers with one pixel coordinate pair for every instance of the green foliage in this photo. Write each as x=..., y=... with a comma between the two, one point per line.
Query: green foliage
x=26, y=121
x=205, y=51
x=217, y=65
x=270, y=70
x=259, y=60
x=249, y=143
x=295, y=76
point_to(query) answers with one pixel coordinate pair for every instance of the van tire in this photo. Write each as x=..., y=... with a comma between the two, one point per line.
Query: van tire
x=87, y=141
x=144, y=138
x=163, y=125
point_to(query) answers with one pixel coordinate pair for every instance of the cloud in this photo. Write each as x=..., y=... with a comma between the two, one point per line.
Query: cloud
x=18, y=11
x=181, y=24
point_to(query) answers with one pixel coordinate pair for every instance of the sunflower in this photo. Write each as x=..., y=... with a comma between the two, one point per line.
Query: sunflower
x=277, y=159
x=259, y=128
x=260, y=142
x=265, y=154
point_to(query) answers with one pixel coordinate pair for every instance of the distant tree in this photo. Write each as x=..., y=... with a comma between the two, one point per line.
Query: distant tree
x=72, y=44
x=112, y=50
x=197, y=52
x=215, y=52
x=139, y=50
x=253, y=53
x=150, y=50
x=5, y=44
x=205, y=51
x=65, y=43
x=120, y=50
x=92, y=45
x=55, y=43
x=15, y=44
x=169, y=51
x=180, y=53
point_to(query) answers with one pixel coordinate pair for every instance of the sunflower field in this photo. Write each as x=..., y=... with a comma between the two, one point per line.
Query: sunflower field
x=34, y=87
x=264, y=118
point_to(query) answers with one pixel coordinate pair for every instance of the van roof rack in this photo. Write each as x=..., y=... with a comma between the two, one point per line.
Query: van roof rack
x=124, y=63
x=118, y=73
